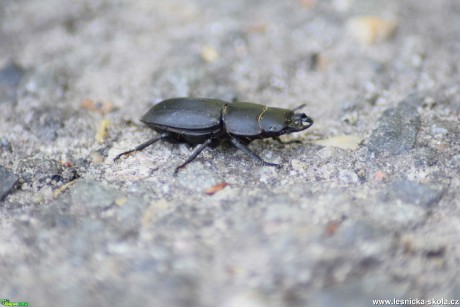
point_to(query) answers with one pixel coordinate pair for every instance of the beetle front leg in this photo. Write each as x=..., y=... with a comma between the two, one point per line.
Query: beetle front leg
x=143, y=145
x=235, y=142
x=197, y=151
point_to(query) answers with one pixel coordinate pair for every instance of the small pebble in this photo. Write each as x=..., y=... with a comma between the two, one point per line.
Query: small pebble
x=397, y=128
x=209, y=54
x=8, y=182
x=380, y=176
x=120, y=201
x=102, y=107
x=368, y=30
x=438, y=131
x=348, y=176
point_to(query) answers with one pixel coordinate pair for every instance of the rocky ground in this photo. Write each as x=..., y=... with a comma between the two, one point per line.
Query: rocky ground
x=365, y=207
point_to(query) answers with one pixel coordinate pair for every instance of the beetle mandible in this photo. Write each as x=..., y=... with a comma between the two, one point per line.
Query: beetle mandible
x=207, y=121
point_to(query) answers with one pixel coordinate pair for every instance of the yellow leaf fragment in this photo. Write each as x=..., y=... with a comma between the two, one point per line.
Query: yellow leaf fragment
x=342, y=141
x=216, y=188
x=209, y=54
x=62, y=188
x=120, y=201
x=101, y=134
x=371, y=29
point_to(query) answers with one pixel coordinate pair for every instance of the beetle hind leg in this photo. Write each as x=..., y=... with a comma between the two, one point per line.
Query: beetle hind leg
x=143, y=145
x=195, y=153
x=235, y=142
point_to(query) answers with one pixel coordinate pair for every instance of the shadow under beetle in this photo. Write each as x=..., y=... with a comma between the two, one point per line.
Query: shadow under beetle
x=206, y=121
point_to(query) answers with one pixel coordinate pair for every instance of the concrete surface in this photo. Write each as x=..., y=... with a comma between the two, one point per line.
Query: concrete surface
x=365, y=207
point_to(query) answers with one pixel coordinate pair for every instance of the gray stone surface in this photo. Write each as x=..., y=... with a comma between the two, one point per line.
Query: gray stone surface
x=412, y=193
x=10, y=77
x=397, y=130
x=8, y=182
x=359, y=293
x=366, y=205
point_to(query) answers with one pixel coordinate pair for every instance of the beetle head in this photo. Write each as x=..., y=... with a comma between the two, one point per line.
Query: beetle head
x=275, y=121
x=299, y=122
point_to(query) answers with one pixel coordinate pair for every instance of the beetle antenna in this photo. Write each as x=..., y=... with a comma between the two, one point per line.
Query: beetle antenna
x=299, y=107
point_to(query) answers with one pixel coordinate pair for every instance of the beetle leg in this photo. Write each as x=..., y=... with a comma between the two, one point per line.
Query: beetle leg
x=197, y=151
x=278, y=139
x=235, y=142
x=143, y=145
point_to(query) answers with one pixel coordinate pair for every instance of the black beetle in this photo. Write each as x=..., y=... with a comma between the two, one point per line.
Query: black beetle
x=207, y=121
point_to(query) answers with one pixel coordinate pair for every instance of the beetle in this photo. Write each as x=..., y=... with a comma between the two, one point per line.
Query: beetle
x=206, y=122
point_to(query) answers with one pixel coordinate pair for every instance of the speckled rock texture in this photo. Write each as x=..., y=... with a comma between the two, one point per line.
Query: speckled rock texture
x=8, y=182
x=366, y=205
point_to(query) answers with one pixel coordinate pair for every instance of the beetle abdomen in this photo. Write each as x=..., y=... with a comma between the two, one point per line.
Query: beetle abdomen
x=185, y=113
x=242, y=118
